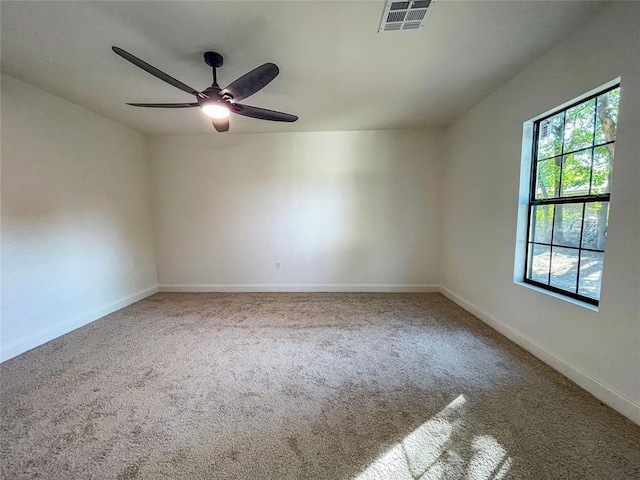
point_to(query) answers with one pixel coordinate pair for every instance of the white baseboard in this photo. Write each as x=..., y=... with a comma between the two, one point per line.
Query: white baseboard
x=320, y=287
x=607, y=395
x=43, y=336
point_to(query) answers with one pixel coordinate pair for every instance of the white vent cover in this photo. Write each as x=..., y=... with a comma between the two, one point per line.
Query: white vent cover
x=410, y=15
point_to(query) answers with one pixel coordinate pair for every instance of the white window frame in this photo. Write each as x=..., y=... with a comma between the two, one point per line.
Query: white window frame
x=524, y=197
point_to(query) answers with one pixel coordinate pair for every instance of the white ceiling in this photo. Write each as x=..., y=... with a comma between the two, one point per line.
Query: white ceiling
x=336, y=71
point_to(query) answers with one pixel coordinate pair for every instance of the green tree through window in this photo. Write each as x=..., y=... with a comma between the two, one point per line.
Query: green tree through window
x=570, y=194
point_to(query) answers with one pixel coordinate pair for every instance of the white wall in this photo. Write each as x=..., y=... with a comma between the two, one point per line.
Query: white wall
x=598, y=350
x=76, y=217
x=339, y=210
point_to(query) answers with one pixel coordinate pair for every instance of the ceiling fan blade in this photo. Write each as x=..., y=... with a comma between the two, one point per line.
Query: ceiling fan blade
x=221, y=124
x=262, y=113
x=164, y=105
x=155, y=72
x=251, y=82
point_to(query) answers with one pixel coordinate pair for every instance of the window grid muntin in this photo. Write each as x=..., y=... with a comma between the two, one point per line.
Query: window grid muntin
x=584, y=199
x=586, y=249
x=596, y=145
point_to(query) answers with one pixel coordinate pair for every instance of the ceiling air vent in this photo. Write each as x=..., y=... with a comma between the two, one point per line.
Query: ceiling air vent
x=405, y=15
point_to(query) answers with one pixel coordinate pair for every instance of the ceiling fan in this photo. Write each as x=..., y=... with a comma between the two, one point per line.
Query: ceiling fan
x=215, y=102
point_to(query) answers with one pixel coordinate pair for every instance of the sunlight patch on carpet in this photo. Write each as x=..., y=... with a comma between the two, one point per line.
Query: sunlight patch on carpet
x=432, y=452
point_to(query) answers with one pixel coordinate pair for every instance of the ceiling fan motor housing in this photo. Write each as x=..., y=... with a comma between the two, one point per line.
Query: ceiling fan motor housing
x=213, y=94
x=214, y=98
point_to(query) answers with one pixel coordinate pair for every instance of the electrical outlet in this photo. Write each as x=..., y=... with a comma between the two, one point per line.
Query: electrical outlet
x=277, y=265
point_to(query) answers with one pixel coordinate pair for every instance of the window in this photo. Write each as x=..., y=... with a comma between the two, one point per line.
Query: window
x=570, y=189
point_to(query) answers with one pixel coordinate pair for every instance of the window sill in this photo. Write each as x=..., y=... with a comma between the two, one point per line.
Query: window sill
x=579, y=303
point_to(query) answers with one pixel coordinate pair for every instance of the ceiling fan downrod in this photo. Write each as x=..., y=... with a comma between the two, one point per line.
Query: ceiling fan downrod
x=214, y=60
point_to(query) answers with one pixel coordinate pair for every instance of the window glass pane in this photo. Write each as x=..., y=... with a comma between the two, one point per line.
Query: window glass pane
x=548, y=181
x=602, y=159
x=578, y=132
x=541, y=223
x=567, y=224
x=590, y=274
x=576, y=173
x=539, y=256
x=596, y=218
x=550, y=136
x=564, y=268
x=607, y=119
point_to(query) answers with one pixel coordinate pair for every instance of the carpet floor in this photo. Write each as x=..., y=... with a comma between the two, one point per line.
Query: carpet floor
x=301, y=386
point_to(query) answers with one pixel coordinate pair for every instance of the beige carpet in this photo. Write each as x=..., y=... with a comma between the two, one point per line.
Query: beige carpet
x=295, y=386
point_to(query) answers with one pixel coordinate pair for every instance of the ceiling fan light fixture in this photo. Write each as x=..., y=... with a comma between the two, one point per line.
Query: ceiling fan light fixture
x=216, y=109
